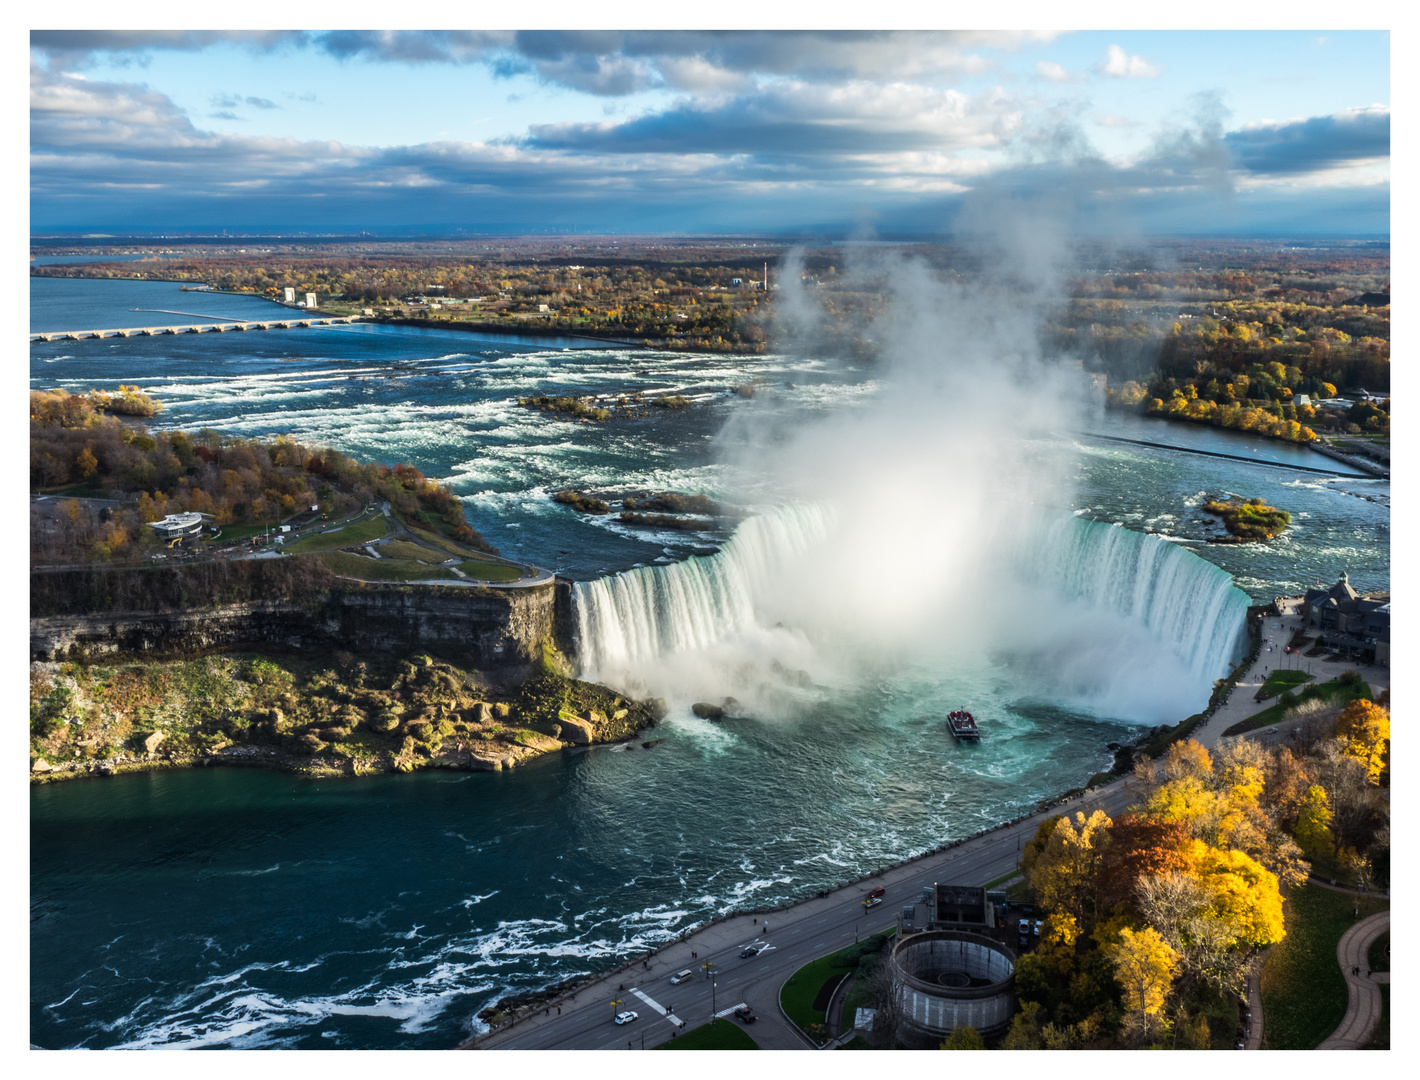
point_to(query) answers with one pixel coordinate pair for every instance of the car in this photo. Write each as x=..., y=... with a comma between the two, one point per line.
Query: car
x=1036, y=928
x=1024, y=927
x=681, y=976
x=752, y=950
x=625, y=1017
x=872, y=901
x=876, y=892
x=744, y=1014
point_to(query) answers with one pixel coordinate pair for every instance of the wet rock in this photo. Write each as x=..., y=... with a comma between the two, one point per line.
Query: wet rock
x=653, y=742
x=575, y=730
x=706, y=711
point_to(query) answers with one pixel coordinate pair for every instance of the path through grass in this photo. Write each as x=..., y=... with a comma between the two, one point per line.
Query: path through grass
x=1303, y=990
x=1333, y=692
x=366, y=569
x=359, y=532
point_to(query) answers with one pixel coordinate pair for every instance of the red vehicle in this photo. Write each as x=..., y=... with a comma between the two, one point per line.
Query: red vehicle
x=876, y=892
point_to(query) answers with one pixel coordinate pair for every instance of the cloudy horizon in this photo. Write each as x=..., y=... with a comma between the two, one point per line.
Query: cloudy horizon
x=1139, y=132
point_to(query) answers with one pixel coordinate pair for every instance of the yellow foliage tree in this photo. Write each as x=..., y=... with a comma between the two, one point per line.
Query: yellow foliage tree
x=1364, y=727
x=1313, y=831
x=1143, y=965
x=1244, y=894
x=1065, y=872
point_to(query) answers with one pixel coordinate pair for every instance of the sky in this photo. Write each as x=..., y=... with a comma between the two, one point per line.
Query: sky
x=401, y=132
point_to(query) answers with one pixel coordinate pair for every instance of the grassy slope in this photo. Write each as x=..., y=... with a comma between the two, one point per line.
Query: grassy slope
x=403, y=549
x=799, y=990
x=1303, y=990
x=719, y=1034
x=486, y=571
x=366, y=569
x=360, y=532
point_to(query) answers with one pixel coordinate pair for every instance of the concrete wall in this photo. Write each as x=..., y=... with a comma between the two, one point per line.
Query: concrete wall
x=931, y=1011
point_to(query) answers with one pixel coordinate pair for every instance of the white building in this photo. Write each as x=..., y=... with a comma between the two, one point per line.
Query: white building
x=310, y=299
x=175, y=526
x=290, y=295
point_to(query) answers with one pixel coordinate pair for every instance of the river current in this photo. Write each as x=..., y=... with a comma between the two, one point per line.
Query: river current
x=243, y=908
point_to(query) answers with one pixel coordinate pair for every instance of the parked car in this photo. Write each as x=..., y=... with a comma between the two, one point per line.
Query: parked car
x=1036, y=928
x=745, y=1014
x=625, y=1017
x=1024, y=927
x=681, y=976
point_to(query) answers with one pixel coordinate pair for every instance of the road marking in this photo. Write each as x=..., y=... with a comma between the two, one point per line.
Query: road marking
x=672, y=1017
x=732, y=1008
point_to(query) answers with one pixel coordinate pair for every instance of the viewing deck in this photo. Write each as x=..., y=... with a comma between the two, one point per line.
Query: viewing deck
x=219, y=327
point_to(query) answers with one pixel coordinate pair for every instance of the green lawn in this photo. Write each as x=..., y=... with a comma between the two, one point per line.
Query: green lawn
x=1303, y=990
x=359, y=532
x=403, y=549
x=366, y=569
x=487, y=571
x=801, y=988
x=719, y=1034
x=1332, y=691
x=236, y=532
x=1283, y=680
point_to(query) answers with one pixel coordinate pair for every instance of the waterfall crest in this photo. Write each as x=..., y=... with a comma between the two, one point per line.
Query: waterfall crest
x=632, y=618
x=1185, y=602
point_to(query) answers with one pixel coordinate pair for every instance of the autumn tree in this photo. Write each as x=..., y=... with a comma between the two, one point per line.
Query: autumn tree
x=1143, y=965
x=964, y=1038
x=1364, y=728
x=1065, y=874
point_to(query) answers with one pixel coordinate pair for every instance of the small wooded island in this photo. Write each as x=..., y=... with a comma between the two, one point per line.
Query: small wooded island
x=1247, y=521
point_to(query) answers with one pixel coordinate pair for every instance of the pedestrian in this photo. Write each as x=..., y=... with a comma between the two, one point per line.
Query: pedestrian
x=559, y=1010
x=628, y=1044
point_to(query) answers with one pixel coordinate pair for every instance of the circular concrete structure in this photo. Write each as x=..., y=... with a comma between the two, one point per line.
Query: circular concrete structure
x=951, y=979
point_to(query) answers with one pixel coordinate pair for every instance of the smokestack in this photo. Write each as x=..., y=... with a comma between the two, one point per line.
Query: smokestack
x=766, y=277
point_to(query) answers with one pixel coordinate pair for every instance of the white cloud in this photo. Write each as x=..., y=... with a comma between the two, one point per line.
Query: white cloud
x=1119, y=65
x=1047, y=69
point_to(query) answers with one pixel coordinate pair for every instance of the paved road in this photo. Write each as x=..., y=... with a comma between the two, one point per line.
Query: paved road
x=1363, y=1006
x=792, y=938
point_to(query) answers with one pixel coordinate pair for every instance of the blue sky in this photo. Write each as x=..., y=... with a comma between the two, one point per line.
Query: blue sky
x=689, y=131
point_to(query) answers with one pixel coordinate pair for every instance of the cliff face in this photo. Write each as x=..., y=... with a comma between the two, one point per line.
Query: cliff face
x=485, y=628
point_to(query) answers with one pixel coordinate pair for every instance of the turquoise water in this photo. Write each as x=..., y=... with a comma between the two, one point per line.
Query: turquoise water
x=241, y=908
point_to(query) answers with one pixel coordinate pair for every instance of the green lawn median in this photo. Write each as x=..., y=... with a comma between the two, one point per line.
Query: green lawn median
x=1282, y=680
x=1334, y=693
x=719, y=1034
x=804, y=995
x=1303, y=991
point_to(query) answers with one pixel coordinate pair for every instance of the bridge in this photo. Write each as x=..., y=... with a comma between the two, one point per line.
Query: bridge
x=224, y=326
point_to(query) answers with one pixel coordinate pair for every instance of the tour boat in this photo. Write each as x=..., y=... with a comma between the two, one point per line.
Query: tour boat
x=963, y=726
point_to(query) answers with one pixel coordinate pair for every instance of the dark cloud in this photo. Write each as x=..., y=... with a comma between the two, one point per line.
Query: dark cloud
x=1319, y=142
x=120, y=155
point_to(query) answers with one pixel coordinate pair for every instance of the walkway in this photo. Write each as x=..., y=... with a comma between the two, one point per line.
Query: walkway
x=1276, y=632
x=1363, y=1007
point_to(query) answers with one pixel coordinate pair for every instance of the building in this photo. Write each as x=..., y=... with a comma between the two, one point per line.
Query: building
x=1348, y=622
x=290, y=295
x=176, y=526
x=310, y=300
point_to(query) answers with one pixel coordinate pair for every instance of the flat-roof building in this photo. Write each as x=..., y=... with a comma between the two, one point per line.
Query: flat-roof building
x=175, y=526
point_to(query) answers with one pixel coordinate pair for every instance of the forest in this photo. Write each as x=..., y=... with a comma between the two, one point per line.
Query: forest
x=109, y=475
x=1156, y=915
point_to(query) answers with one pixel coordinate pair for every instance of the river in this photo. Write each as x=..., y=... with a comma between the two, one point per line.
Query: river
x=244, y=908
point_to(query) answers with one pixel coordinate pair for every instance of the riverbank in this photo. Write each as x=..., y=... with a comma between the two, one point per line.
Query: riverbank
x=328, y=715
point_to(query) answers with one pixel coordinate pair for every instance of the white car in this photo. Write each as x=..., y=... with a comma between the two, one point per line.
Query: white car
x=625, y=1017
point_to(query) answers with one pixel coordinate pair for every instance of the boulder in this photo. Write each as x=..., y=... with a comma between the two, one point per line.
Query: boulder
x=706, y=711
x=150, y=744
x=41, y=765
x=575, y=730
x=620, y=714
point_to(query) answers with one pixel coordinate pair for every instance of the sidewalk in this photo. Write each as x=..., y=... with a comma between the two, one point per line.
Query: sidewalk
x=1276, y=632
x=1363, y=1008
